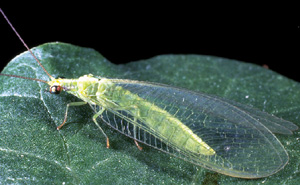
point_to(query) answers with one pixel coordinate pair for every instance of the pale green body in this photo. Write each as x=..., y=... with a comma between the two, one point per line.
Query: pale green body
x=105, y=93
x=218, y=134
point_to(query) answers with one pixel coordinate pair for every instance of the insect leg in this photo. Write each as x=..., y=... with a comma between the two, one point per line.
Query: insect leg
x=66, y=114
x=134, y=134
x=137, y=144
x=135, y=111
x=94, y=119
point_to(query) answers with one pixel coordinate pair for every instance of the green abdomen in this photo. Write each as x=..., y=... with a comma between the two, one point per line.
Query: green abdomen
x=159, y=122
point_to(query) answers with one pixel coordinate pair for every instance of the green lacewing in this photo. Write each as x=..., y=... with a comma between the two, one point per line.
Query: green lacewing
x=206, y=130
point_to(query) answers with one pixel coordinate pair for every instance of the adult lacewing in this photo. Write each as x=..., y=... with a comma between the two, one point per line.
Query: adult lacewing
x=209, y=131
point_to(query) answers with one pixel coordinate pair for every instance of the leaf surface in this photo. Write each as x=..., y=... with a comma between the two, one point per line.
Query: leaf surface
x=33, y=151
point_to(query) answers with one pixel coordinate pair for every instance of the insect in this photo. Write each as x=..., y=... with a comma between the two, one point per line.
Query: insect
x=215, y=133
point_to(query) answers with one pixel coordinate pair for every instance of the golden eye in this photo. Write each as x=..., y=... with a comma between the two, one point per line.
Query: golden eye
x=55, y=89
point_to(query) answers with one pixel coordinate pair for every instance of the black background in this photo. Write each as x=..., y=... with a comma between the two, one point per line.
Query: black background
x=124, y=33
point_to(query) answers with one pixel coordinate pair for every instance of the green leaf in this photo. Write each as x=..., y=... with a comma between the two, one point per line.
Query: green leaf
x=32, y=150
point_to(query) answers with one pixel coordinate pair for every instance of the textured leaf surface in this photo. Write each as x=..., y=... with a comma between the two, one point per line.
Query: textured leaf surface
x=33, y=151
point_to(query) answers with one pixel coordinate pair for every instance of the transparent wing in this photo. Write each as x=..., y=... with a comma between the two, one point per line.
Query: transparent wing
x=240, y=135
x=273, y=123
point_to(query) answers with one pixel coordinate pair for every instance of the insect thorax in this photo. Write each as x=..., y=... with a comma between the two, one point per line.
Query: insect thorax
x=88, y=88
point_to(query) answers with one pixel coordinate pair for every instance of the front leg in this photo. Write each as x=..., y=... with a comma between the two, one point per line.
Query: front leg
x=66, y=114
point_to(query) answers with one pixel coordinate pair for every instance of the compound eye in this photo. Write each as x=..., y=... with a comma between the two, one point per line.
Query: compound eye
x=55, y=89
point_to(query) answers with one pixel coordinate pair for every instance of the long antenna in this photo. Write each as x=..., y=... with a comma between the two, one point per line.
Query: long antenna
x=16, y=76
x=25, y=46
